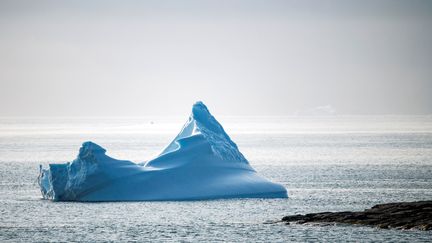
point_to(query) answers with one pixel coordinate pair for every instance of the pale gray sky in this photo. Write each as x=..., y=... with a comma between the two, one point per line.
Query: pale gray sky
x=134, y=58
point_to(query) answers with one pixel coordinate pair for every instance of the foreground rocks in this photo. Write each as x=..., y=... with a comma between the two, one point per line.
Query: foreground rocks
x=403, y=215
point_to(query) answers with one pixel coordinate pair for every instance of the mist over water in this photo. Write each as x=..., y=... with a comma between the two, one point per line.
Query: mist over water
x=332, y=163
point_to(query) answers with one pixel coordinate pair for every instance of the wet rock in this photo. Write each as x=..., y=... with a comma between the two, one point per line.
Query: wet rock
x=401, y=215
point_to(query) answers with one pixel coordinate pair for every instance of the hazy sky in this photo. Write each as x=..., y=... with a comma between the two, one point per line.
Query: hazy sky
x=134, y=58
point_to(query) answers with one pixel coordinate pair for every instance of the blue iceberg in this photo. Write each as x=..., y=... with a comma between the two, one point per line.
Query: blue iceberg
x=202, y=162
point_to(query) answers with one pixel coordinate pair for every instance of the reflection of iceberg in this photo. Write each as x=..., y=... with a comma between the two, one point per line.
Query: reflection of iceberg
x=201, y=163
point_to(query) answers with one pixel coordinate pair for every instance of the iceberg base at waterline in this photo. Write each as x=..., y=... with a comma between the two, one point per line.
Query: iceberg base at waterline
x=202, y=162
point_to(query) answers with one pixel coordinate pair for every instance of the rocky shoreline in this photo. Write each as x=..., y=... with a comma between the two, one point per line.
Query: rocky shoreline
x=400, y=215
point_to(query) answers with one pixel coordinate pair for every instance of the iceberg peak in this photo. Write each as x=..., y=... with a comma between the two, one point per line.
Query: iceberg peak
x=202, y=123
x=202, y=115
x=89, y=148
x=200, y=111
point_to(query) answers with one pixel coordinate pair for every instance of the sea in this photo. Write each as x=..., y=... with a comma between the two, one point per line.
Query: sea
x=327, y=163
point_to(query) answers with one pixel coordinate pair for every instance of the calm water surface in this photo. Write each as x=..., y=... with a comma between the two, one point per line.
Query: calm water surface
x=326, y=163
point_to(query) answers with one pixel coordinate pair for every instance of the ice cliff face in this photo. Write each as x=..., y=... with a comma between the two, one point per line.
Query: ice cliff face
x=202, y=162
x=68, y=180
x=90, y=170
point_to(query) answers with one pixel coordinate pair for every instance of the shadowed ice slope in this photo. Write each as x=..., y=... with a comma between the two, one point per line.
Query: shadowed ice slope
x=202, y=162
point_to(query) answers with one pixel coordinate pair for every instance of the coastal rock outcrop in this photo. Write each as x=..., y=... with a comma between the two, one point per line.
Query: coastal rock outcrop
x=401, y=215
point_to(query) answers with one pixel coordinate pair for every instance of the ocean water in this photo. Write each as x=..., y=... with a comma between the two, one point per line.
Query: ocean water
x=326, y=163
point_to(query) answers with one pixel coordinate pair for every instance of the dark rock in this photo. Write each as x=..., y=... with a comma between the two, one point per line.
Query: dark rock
x=403, y=215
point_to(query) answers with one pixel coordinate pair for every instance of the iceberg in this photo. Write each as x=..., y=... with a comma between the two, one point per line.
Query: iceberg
x=202, y=162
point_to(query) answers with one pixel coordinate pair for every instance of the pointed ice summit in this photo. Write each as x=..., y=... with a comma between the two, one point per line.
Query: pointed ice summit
x=202, y=162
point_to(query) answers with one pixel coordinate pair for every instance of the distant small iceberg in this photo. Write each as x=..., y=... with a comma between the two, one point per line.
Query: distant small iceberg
x=202, y=162
x=325, y=110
